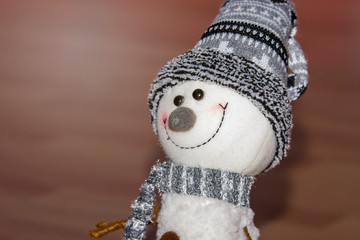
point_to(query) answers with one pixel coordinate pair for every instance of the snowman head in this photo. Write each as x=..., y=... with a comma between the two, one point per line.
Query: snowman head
x=203, y=124
x=216, y=110
x=226, y=103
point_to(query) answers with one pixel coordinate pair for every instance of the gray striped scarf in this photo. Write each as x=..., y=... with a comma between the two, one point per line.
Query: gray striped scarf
x=168, y=177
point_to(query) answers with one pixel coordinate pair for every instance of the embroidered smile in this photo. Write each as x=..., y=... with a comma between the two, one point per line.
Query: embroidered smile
x=207, y=141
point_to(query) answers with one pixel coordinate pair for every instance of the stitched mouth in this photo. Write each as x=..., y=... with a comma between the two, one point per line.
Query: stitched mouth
x=207, y=141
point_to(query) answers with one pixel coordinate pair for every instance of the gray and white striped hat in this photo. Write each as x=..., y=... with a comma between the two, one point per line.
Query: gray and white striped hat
x=249, y=47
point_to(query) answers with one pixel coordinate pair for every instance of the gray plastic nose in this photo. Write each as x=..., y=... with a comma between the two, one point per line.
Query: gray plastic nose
x=182, y=119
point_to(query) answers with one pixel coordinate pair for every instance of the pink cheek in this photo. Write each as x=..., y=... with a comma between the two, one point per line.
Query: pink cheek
x=164, y=119
x=216, y=108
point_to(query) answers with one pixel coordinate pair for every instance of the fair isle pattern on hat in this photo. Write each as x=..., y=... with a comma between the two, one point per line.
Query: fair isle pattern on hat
x=263, y=89
x=298, y=80
x=262, y=31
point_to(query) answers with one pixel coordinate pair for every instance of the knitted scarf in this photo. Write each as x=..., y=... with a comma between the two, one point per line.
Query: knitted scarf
x=168, y=177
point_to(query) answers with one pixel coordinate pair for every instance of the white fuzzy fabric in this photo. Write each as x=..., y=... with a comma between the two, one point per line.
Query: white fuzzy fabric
x=198, y=218
x=245, y=143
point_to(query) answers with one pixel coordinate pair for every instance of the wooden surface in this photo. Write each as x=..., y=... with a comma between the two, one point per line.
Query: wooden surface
x=75, y=137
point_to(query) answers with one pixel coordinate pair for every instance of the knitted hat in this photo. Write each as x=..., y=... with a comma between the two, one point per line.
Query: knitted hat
x=250, y=48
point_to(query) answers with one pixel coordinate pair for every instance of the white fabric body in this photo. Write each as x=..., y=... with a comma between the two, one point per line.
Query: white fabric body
x=198, y=218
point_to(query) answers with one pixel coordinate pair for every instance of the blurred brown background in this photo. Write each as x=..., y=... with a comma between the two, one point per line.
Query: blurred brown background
x=75, y=137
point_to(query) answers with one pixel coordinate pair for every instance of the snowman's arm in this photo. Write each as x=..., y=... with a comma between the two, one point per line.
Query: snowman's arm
x=103, y=228
x=141, y=214
x=247, y=234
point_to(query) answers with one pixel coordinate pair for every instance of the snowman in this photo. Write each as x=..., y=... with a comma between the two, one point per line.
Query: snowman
x=212, y=127
x=222, y=114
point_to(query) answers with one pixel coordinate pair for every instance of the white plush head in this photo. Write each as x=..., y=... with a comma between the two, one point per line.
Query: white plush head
x=203, y=124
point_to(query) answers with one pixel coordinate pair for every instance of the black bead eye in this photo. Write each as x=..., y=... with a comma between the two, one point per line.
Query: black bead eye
x=178, y=100
x=198, y=94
